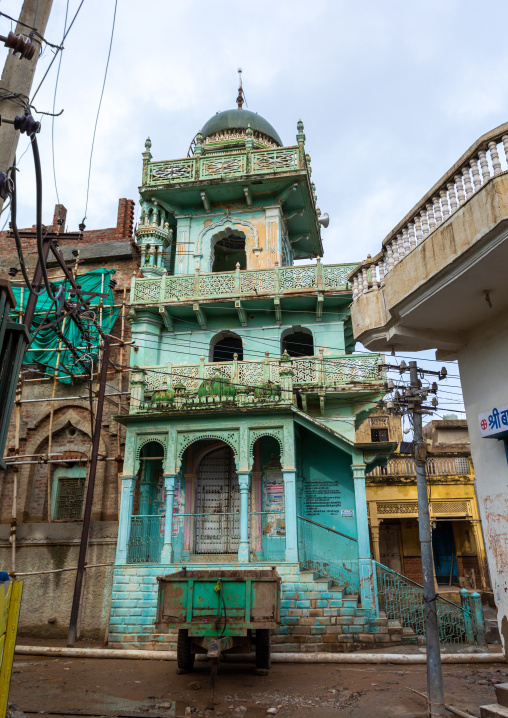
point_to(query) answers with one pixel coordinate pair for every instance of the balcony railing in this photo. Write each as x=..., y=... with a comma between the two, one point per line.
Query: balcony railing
x=279, y=280
x=267, y=381
x=487, y=158
x=436, y=466
x=237, y=164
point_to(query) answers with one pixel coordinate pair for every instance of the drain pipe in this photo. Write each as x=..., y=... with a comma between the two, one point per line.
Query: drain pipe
x=414, y=658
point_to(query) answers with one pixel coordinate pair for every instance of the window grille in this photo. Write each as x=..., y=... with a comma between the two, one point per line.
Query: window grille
x=69, y=499
x=377, y=435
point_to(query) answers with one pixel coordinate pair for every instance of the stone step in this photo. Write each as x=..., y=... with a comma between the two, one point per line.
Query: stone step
x=324, y=583
x=502, y=694
x=350, y=600
x=308, y=576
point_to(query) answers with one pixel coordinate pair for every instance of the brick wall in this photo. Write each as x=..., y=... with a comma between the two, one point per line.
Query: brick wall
x=111, y=248
x=413, y=568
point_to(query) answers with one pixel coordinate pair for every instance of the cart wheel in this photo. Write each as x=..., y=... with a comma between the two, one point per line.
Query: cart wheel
x=263, y=649
x=184, y=656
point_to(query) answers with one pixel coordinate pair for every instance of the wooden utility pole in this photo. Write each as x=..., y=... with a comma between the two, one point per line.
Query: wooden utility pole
x=18, y=75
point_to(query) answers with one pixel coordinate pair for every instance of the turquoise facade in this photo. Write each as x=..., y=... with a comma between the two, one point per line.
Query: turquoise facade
x=240, y=447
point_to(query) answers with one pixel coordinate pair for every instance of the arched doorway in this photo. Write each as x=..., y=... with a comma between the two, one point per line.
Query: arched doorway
x=217, y=503
x=227, y=252
x=149, y=507
x=298, y=342
x=224, y=346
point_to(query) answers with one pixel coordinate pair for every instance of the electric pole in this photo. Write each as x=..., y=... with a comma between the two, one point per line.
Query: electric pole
x=17, y=77
x=411, y=401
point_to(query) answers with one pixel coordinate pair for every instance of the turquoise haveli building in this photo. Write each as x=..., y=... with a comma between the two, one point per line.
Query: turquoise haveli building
x=246, y=394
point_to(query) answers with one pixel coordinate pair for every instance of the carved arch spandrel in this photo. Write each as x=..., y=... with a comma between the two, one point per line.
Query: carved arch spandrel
x=274, y=433
x=186, y=438
x=219, y=229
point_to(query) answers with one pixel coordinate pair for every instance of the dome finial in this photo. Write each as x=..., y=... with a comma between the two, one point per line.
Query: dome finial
x=241, y=95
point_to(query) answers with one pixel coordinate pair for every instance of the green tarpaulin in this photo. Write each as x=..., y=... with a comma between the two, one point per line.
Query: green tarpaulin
x=46, y=339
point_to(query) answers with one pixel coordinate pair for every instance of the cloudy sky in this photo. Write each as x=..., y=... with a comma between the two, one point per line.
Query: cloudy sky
x=391, y=93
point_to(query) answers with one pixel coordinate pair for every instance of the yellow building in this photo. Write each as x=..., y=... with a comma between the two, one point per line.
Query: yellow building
x=459, y=552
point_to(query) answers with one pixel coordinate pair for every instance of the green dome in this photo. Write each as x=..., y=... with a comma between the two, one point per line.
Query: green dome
x=239, y=120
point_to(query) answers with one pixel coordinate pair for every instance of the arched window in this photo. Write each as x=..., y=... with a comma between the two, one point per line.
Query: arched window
x=228, y=251
x=224, y=346
x=297, y=341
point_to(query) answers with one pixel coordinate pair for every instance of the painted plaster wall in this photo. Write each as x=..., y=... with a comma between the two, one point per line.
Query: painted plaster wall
x=47, y=598
x=263, y=236
x=482, y=365
x=320, y=464
x=182, y=347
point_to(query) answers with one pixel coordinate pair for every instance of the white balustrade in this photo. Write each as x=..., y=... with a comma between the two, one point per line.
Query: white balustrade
x=405, y=240
x=425, y=223
x=477, y=182
x=484, y=165
x=444, y=204
x=400, y=246
x=475, y=169
x=494, y=156
x=461, y=196
x=467, y=182
x=437, y=210
x=452, y=195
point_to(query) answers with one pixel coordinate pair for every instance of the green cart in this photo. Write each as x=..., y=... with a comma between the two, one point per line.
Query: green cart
x=219, y=612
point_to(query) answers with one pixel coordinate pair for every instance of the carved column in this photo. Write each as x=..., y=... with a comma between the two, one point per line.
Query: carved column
x=167, y=549
x=244, y=548
x=124, y=522
x=289, y=476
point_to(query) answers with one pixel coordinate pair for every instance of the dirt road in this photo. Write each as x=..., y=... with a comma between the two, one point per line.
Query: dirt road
x=69, y=686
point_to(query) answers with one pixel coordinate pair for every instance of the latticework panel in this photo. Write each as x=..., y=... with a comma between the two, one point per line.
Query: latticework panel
x=223, y=167
x=305, y=371
x=186, y=375
x=179, y=287
x=215, y=284
x=274, y=161
x=259, y=282
x=156, y=380
x=297, y=278
x=174, y=171
x=147, y=290
x=250, y=373
x=350, y=369
x=221, y=370
x=397, y=507
x=275, y=372
x=450, y=507
x=336, y=277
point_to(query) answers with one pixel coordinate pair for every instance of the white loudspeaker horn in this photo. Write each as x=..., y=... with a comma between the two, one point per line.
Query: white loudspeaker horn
x=324, y=220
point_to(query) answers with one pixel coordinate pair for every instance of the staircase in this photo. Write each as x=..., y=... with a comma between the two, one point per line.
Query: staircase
x=318, y=616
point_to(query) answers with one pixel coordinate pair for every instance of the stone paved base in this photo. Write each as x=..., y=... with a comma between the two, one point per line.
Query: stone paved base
x=316, y=615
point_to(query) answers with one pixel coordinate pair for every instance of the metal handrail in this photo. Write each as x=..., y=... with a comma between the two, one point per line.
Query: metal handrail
x=414, y=583
x=333, y=531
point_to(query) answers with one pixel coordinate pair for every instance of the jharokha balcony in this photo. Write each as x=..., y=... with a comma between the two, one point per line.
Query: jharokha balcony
x=265, y=384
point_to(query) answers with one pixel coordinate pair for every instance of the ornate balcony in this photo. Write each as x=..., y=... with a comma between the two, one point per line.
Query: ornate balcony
x=223, y=166
x=268, y=383
x=241, y=283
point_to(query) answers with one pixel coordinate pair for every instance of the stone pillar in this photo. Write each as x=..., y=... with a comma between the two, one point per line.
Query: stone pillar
x=244, y=548
x=289, y=476
x=124, y=522
x=167, y=549
x=367, y=582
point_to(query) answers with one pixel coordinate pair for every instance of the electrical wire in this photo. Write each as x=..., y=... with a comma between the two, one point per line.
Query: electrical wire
x=56, y=53
x=54, y=103
x=99, y=108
